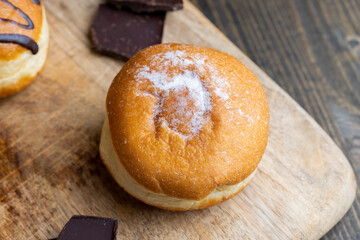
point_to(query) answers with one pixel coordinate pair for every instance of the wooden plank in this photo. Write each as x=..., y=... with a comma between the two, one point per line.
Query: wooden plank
x=51, y=169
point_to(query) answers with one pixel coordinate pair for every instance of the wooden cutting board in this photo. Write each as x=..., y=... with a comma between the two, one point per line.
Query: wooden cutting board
x=50, y=167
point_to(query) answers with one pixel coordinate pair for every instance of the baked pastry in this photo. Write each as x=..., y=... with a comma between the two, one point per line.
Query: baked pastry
x=24, y=40
x=185, y=128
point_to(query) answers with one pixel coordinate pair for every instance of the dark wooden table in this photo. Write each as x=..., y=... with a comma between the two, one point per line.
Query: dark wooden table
x=311, y=48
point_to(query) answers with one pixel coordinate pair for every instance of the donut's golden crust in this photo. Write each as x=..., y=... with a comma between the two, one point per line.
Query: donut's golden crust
x=225, y=151
x=18, y=66
x=209, y=203
x=122, y=177
x=14, y=87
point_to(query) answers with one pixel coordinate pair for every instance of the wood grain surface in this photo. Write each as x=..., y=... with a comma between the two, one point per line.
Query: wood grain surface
x=50, y=167
x=312, y=50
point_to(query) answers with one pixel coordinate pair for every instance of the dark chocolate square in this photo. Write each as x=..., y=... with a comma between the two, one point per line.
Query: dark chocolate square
x=121, y=33
x=89, y=228
x=149, y=5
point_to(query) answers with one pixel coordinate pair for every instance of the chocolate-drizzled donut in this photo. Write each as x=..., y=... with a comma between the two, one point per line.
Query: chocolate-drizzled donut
x=24, y=39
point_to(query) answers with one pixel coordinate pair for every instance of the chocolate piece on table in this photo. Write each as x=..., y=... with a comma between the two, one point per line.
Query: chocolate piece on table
x=89, y=228
x=149, y=5
x=121, y=33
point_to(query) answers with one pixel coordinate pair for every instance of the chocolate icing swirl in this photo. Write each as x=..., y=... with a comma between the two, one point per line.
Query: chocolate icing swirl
x=22, y=40
x=30, y=24
x=36, y=2
x=19, y=39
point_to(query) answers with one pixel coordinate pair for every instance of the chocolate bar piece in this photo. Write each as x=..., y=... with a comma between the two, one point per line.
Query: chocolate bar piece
x=149, y=5
x=121, y=33
x=89, y=228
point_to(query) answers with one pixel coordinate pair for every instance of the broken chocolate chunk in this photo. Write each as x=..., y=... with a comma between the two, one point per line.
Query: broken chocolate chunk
x=149, y=5
x=121, y=33
x=89, y=228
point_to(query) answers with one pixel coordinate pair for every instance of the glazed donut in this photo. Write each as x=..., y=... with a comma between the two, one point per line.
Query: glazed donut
x=185, y=126
x=24, y=40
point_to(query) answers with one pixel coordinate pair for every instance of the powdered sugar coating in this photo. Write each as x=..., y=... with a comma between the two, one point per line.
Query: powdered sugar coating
x=191, y=69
